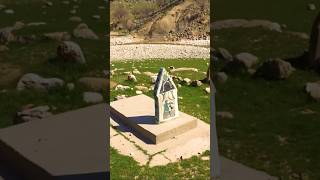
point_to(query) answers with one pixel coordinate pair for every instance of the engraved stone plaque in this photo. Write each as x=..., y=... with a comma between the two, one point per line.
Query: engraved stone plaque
x=166, y=98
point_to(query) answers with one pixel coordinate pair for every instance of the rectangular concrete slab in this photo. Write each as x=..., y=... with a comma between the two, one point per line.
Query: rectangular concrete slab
x=138, y=113
x=64, y=146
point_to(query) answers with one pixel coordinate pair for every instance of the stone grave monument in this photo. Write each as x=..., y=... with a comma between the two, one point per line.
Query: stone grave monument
x=166, y=98
x=154, y=119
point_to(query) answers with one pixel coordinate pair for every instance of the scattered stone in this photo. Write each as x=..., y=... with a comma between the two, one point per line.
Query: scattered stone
x=3, y=48
x=275, y=69
x=187, y=81
x=308, y=111
x=139, y=92
x=2, y=6
x=225, y=115
x=142, y=88
x=31, y=113
x=49, y=3
x=18, y=25
x=221, y=77
x=149, y=74
x=121, y=87
x=313, y=89
x=34, y=81
x=132, y=77
x=83, y=31
x=66, y=2
x=6, y=35
x=9, y=74
x=75, y=19
x=120, y=97
x=92, y=97
x=196, y=83
x=225, y=54
x=136, y=71
x=207, y=90
x=71, y=51
x=312, y=7
x=9, y=11
x=96, y=17
x=94, y=83
x=36, y=23
x=249, y=60
x=70, y=86
x=58, y=36
x=205, y=158
x=73, y=11
x=184, y=69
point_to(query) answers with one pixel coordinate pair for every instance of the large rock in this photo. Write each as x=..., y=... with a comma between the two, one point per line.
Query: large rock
x=83, y=31
x=313, y=89
x=34, y=81
x=6, y=35
x=71, y=51
x=94, y=83
x=249, y=60
x=275, y=69
x=225, y=54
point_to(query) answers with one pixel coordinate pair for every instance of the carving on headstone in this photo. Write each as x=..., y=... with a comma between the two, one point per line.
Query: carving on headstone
x=314, y=47
x=166, y=98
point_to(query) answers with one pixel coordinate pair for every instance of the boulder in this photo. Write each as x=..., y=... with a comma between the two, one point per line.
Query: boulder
x=225, y=54
x=275, y=69
x=221, y=77
x=83, y=31
x=94, y=83
x=132, y=78
x=313, y=89
x=34, y=81
x=249, y=60
x=71, y=51
x=32, y=113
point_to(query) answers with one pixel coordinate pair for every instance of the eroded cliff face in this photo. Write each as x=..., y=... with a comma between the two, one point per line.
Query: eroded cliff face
x=188, y=20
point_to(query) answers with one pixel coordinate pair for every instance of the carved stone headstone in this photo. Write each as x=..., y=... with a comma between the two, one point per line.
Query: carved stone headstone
x=314, y=49
x=166, y=98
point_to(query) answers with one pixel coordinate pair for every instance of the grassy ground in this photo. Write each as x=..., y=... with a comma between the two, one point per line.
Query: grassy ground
x=191, y=96
x=40, y=56
x=269, y=131
x=293, y=13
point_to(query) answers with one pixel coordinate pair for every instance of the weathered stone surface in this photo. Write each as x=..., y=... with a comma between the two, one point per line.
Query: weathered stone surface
x=6, y=35
x=92, y=97
x=275, y=69
x=221, y=77
x=313, y=89
x=196, y=83
x=71, y=51
x=32, y=113
x=132, y=77
x=249, y=60
x=34, y=81
x=225, y=54
x=166, y=97
x=75, y=19
x=58, y=36
x=83, y=31
x=94, y=83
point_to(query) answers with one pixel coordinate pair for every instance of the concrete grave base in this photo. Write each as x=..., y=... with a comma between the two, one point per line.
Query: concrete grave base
x=138, y=113
x=71, y=145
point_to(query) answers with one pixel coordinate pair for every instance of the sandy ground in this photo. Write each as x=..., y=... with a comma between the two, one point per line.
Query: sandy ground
x=127, y=47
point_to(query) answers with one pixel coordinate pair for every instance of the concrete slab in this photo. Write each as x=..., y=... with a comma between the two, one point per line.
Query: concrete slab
x=70, y=145
x=138, y=113
x=191, y=143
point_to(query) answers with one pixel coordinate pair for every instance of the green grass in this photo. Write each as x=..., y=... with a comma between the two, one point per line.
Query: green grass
x=268, y=111
x=40, y=56
x=185, y=169
x=293, y=13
